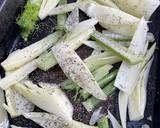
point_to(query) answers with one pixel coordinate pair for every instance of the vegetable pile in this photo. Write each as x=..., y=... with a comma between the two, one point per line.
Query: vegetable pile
x=120, y=61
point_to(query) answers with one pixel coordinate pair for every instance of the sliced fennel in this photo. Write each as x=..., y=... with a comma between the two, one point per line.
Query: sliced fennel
x=125, y=80
x=16, y=103
x=107, y=3
x=75, y=69
x=47, y=120
x=4, y=122
x=74, y=38
x=29, y=53
x=62, y=9
x=137, y=101
x=120, y=50
x=112, y=19
x=114, y=36
x=123, y=102
x=18, y=75
x=93, y=45
x=46, y=7
x=61, y=18
x=102, y=71
x=72, y=20
x=113, y=120
x=138, y=8
x=50, y=100
x=47, y=60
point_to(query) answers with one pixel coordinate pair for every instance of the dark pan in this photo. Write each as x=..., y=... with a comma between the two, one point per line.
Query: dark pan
x=10, y=40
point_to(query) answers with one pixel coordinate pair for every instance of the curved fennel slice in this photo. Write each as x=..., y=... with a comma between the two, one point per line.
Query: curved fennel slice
x=73, y=19
x=50, y=100
x=128, y=74
x=112, y=19
x=29, y=53
x=4, y=122
x=76, y=70
x=138, y=99
x=47, y=120
x=16, y=103
x=18, y=75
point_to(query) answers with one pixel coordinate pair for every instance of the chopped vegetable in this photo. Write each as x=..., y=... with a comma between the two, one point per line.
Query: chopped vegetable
x=47, y=120
x=50, y=100
x=92, y=102
x=74, y=39
x=114, y=36
x=125, y=80
x=93, y=45
x=4, y=122
x=103, y=123
x=138, y=8
x=123, y=102
x=107, y=3
x=120, y=50
x=96, y=116
x=61, y=9
x=23, y=56
x=113, y=120
x=18, y=75
x=137, y=101
x=102, y=71
x=75, y=69
x=16, y=103
x=72, y=20
x=27, y=20
x=112, y=19
x=46, y=7
x=61, y=18
x=102, y=82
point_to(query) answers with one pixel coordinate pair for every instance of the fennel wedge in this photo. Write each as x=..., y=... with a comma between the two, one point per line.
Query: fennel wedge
x=75, y=69
x=125, y=80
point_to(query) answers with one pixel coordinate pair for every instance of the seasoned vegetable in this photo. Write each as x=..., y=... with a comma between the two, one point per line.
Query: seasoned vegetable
x=73, y=38
x=92, y=102
x=102, y=82
x=75, y=69
x=120, y=50
x=16, y=103
x=47, y=120
x=27, y=20
x=72, y=20
x=46, y=7
x=23, y=56
x=125, y=80
x=61, y=9
x=138, y=8
x=50, y=100
x=112, y=19
x=18, y=75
